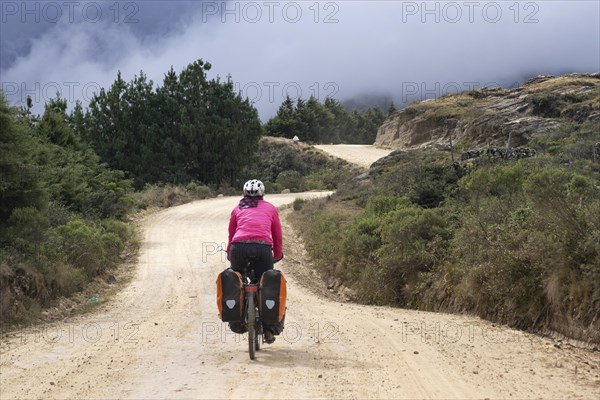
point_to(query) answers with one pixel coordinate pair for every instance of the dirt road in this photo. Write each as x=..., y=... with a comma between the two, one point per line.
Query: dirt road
x=161, y=338
x=361, y=154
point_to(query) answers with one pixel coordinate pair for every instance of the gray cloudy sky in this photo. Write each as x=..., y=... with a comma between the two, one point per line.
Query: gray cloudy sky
x=407, y=49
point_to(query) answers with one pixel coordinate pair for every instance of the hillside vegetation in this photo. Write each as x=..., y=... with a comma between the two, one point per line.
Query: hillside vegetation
x=62, y=211
x=283, y=164
x=67, y=180
x=512, y=240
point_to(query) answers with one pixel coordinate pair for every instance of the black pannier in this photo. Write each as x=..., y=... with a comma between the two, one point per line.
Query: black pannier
x=273, y=293
x=230, y=295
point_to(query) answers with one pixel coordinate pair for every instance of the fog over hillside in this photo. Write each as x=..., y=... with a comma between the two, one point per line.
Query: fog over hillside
x=344, y=49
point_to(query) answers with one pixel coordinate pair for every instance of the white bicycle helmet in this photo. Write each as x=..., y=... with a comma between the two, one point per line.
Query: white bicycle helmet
x=254, y=188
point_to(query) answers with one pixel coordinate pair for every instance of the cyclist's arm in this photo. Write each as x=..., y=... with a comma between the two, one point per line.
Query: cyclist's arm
x=232, y=229
x=277, y=237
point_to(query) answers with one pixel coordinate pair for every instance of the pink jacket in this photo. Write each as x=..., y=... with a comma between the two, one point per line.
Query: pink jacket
x=258, y=223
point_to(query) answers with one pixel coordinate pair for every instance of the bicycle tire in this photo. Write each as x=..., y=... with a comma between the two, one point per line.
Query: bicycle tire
x=258, y=334
x=251, y=326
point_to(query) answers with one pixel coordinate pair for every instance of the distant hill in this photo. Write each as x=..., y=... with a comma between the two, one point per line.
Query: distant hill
x=490, y=116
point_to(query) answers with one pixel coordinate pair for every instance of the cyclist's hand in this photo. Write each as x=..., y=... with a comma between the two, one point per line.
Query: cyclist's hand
x=276, y=261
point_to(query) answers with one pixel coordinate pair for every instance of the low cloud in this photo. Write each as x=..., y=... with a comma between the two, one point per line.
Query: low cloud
x=407, y=50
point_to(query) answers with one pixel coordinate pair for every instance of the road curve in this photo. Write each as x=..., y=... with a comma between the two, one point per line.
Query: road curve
x=161, y=338
x=361, y=154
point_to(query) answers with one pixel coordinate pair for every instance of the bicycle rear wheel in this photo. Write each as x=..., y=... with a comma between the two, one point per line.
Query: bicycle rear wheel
x=258, y=332
x=252, y=334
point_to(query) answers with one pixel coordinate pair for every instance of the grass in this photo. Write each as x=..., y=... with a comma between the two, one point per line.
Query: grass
x=562, y=82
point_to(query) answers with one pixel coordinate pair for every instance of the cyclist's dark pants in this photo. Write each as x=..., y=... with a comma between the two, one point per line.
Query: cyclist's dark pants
x=262, y=254
x=263, y=261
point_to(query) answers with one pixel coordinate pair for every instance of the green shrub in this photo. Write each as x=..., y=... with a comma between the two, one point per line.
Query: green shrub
x=524, y=243
x=83, y=246
x=273, y=187
x=60, y=210
x=298, y=204
x=27, y=227
x=383, y=204
x=199, y=191
x=546, y=105
x=425, y=185
x=291, y=180
x=328, y=179
x=414, y=240
x=123, y=231
x=503, y=181
x=362, y=238
x=169, y=195
x=277, y=156
x=322, y=235
x=67, y=279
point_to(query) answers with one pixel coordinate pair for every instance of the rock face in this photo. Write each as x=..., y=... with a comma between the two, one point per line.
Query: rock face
x=489, y=116
x=494, y=152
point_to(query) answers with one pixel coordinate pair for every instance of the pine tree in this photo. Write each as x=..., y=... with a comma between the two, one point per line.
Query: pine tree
x=20, y=180
x=54, y=124
x=191, y=128
x=325, y=123
x=283, y=124
x=391, y=109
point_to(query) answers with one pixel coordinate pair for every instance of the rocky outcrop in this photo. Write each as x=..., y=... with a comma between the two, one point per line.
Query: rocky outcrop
x=494, y=152
x=490, y=116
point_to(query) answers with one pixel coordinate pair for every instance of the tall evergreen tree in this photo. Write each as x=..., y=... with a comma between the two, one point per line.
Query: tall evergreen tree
x=283, y=125
x=72, y=172
x=324, y=123
x=20, y=180
x=191, y=128
x=391, y=109
x=54, y=124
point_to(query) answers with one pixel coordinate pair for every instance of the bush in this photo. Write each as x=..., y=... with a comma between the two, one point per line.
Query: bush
x=67, y=279
x=298, y=204
x=296, y=160
x=523, y=241
x=414, y=241
x=83, y=246
x=546, y=105
x=273, y=187
x=199, y=191
x=328, y=179
x=362, y=238
x=169, y=195
x=380, y=205
x=572, y=142
x=123, y=231
x=322, y=236
x=426, y=186
x=27, y=227
x=291, y=180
